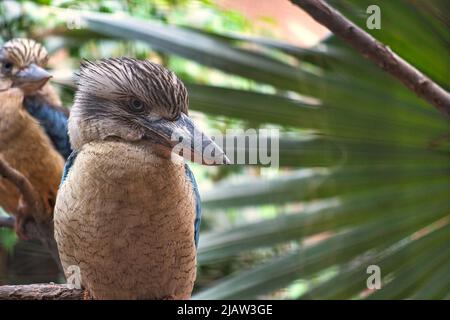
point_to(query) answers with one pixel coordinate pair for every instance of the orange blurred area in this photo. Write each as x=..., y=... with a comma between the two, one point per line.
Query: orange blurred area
x=283, y=19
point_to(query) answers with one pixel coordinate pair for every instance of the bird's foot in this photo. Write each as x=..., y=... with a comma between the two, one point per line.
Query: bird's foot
x=23, y=217
x=19, y=225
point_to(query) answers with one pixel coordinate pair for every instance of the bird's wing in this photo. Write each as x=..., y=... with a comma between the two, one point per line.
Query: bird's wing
x=198, y=203
x=54, y=121
x=69, y=162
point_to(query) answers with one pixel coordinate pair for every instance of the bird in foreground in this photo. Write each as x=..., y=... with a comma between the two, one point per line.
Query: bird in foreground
x=27, y=116
x=23, y=63
x=128, y=210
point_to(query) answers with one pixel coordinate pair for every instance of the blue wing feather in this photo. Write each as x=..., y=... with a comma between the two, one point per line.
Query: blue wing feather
x=69, y=162
x=198, y=203
x=54, y=122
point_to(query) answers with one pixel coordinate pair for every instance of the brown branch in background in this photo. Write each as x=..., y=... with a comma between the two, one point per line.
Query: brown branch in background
x=376, y=51
x=35, y=227
x=43, y=291
x=29, y=194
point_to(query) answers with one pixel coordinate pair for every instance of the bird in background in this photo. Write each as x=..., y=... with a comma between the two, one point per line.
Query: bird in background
x=33, y=128
x=23, y=63
x=26, y=148
x=128, y=210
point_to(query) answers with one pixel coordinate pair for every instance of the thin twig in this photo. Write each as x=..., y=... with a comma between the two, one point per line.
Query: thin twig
x=36, y=227
x=30, y=195
x=379, y=53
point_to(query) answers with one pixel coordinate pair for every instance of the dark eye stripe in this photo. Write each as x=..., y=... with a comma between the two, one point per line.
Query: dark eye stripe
x=136, y=105
x=8, y=65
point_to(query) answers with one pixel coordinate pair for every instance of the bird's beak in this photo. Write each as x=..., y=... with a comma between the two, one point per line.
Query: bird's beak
x=184, y=138
x=31, y=78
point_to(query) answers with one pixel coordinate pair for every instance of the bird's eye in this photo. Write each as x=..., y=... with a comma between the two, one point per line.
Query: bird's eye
x=136, y=105
x=7, y=66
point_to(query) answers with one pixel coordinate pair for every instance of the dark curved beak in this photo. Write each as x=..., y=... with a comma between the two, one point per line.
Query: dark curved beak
x=184, y=138
x=31, y=78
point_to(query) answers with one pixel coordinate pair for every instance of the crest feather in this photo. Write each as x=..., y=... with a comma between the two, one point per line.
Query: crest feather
x=122, y=78
x=25, y=51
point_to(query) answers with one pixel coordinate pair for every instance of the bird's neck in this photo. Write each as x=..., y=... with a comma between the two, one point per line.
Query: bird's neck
x=47, y=94
x=118, y=158
x=12, y=115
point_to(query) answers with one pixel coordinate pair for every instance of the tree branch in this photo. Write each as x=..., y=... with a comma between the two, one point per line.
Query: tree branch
x=37, y=227
x=30, y=195
x=379, y=53
x=40, y=292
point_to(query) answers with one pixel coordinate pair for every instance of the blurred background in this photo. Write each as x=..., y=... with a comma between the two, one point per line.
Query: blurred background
x=364, y=173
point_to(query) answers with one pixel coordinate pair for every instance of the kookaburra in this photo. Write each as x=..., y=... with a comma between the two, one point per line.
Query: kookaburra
x=127, y=213
x=33, y=126
x=23, y=63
